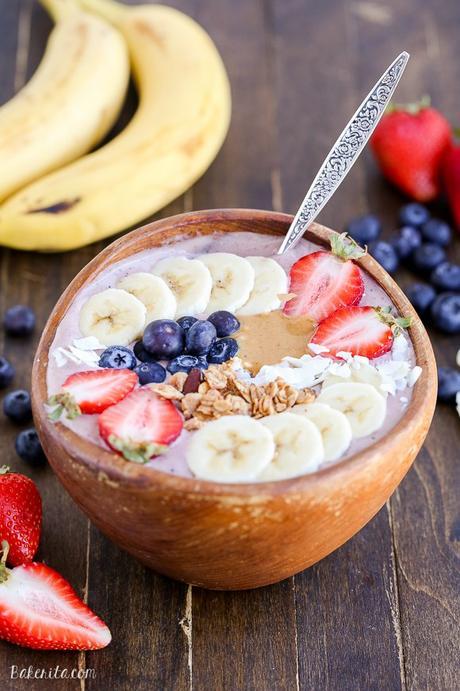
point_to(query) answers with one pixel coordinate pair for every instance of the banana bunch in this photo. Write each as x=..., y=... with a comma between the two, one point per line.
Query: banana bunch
x=71, y=101
x=178, y=129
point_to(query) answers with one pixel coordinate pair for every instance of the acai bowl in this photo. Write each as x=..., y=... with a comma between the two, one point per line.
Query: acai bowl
x=326, y=398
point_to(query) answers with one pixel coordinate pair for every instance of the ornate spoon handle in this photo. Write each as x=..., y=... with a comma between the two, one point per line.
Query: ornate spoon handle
x=345, y=151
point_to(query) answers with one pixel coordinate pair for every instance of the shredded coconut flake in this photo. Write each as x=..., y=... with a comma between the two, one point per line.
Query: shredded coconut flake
x=89, y=343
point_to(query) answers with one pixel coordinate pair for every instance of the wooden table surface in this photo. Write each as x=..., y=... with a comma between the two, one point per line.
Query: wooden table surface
x=382, y=612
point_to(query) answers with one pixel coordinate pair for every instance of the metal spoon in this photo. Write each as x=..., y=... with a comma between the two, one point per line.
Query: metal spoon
x=345, y=151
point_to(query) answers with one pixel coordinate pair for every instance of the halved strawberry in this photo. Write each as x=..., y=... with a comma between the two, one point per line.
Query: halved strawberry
x=367, y=331
x=325, y=281
x=92, y=392
x=39, y=609
x=141, y=425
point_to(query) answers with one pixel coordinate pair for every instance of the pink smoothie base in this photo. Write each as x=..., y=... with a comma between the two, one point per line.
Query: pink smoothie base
x=244, y=244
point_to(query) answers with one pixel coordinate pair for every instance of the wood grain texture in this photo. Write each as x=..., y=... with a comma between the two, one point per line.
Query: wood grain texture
x=357, y=626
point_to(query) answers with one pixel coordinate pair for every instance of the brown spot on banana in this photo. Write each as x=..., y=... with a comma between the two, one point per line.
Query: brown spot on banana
x=57, y=208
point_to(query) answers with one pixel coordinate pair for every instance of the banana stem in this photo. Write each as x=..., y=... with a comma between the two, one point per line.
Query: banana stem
x=59, y=8
x=109, y=9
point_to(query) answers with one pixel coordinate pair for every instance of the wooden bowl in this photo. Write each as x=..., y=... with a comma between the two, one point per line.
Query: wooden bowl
x=230, y=536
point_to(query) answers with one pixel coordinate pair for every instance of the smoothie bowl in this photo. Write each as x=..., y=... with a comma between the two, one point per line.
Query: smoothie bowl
x=227, y=415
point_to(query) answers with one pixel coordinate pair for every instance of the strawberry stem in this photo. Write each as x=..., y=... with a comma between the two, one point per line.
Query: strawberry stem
x=4, y=470
x=397, y=324
x=3, y=570
x=411, y=108
x=63, y=402
x=344, y=247
x=138, y=452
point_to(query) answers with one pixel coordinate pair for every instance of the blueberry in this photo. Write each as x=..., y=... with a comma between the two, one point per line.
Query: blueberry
x=141, y=353
x=185, y=363
x=225, y=322
x=421, y=296
x=200, y=337
x=364, y=229
x=448, y=384
x=17, y=406
x=28, y=447
x=222, y=350
x=117, y=357
x=19, y=321
x=150, y=373
x=445, y=312
x=446, y=276
x=437, y=231
x=186, y=322
x=406, y=241
x=164, y=339
x=413, y=215
x=7, y=373
x=385, y=254
x=427, y=257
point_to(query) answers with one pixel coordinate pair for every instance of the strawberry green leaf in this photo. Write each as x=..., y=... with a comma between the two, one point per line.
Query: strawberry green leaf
x=346, y=248
x=63, y=402
x=135, y=451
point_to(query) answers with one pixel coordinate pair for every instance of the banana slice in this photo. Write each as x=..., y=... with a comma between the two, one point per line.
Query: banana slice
x=361, y=373
x=364, y=407
x=235, y=448
x=189, y=280
x=270, y=282
x=113, y=316
x=153, y=292
x=333, y=425
x=232, y=281
x=299, y=447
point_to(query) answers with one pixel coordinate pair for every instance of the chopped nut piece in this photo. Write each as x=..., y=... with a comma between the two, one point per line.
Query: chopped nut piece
x=167, y=391
x=193, y=380
x=178, y=380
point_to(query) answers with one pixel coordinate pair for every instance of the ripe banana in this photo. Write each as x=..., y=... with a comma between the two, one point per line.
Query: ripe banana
x=269, y=283
x=113, y=316
x=298, y=447
x=158, y=299
x=179, y=127
x=190, y=282
x=235, y=448
x=333, y=425
x=232, y=281
x=364, y=407
x=69, y=104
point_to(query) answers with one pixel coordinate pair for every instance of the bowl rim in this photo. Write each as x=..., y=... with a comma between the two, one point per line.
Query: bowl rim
x=115, y=468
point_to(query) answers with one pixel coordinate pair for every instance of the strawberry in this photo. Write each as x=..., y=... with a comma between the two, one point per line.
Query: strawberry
x=409, y=144
x=324, y=281
x=366, y=331
x=451, y=180
x=92, y=392
x=141, y=425
x=20, y=516
x=39, y=609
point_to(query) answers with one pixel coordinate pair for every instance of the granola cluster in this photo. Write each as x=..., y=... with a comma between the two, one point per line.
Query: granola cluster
x=217, y=391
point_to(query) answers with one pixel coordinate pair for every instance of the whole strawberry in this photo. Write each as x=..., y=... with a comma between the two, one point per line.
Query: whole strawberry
x=409, y=144
x=20, y=516
x=451, y=181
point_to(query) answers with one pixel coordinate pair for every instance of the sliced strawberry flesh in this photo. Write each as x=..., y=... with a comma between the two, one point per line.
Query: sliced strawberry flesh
x=356, y=330
x=39, y=609
x=323, y=283
x=95, y=390
x=142, y=417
